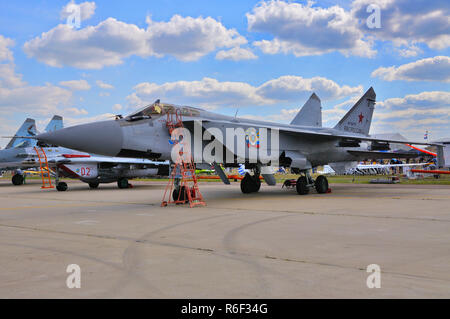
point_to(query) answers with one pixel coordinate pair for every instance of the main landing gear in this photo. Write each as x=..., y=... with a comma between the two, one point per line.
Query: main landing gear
x=18, y=179
x=61, y=186
x=123, y=183
x=250, y=183
x=306, y=182
x=93, y=185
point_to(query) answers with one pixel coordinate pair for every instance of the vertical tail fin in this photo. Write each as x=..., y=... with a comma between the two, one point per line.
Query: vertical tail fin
x=56, y=123
x=359, y=118
x=28, y=128
x=310, y=114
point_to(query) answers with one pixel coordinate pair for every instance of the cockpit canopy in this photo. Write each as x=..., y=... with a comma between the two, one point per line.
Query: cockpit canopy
x=158, y=109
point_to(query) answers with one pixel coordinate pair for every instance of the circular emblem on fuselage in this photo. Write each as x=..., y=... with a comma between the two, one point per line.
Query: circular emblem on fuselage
x=252, y=137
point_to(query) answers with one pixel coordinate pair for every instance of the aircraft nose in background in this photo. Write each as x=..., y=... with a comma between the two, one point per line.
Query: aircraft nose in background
x=104, y=138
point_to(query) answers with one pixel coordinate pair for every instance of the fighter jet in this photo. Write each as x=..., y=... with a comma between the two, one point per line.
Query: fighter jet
x=93, y=169
x=214, y=138
x=14, y=155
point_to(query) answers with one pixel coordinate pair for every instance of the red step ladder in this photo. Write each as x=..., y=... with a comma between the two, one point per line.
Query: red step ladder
x=182, y=171
x=43, y=165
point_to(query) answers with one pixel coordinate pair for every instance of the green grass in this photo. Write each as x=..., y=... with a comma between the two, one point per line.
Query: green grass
x=443, y=180
x=428, y=180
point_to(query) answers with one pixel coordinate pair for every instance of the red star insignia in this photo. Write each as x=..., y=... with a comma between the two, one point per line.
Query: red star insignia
x=360, y=117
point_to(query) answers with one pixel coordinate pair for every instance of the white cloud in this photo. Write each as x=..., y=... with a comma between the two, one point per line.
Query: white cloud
x=117, y=107
x=295, y=88
x=92, y=47
x=430, y=69
x=211, y=93
x=73, y=111
x=34, y=99
x=405, y=22
x=87, y=10
x=108, y=43
x=17, y=96
x=409, y=51
x=104, y=94
x=284, y=116
x=76, y=85
x=425, y=100
x=188, y=39
x=5, y=53
x=413, y=114
x=305, y=30
x=70, y=121
x=205, y=92
x=236, y=54
x=8, y=77
x=104, y=85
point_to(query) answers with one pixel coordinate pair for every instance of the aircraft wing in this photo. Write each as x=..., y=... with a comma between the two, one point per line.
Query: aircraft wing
x=103, y=159
x=319, y=134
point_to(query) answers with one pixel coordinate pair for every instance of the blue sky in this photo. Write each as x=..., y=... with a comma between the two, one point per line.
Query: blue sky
x=264, y=58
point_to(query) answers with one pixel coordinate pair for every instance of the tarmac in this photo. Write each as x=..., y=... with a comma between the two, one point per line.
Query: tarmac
x=271, y=244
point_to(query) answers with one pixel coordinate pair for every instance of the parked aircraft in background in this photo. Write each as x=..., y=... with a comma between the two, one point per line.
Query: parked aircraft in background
x=63, y=162
x=145, y=134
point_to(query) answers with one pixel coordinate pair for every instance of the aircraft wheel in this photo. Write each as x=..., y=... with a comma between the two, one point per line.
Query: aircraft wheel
x=257, y=183
x=93, y=185
x=250, y=184
x=122, y=183
x=246, y=182
x=17, y=179
x=302, y=185
x=321, y=184
x=61, y=187
x=182, y=196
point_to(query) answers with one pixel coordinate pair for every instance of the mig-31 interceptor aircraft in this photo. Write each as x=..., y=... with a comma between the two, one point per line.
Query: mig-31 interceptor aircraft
x=212, y=138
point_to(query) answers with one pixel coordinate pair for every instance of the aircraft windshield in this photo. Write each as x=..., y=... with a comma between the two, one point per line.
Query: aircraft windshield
x=152, y=109
x=161, y=109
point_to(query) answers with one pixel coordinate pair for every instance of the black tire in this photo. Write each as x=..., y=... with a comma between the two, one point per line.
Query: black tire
x=122, y=183
x=250, y=184
x=183, y=196
x=246, y=184
x=17, y=179
x=321, y=184
x=61, y=187
x=93, y=185
x=302, y=185
x=257, y=183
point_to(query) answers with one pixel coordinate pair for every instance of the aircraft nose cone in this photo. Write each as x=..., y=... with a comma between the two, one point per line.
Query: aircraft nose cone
x=103, y=138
